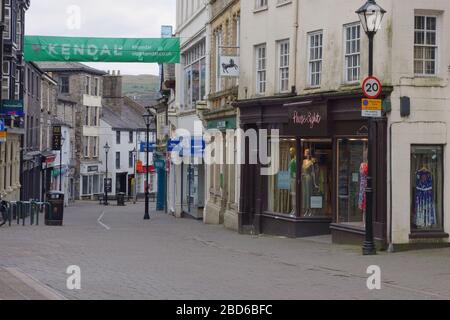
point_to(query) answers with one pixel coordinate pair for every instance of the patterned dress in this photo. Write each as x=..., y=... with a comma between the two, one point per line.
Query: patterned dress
x=425, y=215
x=363, y=173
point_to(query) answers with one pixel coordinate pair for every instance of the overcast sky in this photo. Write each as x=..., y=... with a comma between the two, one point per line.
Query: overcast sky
x=103, y=18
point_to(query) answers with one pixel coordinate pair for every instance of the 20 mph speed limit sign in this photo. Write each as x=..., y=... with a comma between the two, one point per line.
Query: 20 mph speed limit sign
x=372, y=88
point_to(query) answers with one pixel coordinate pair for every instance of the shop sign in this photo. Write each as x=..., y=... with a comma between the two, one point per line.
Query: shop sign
x=223, y=124
x=56, y=137
x=12, y=108
x=92, y=169
x=311, y=121
x=229, y=66
x=2, y=125
x=371, y=108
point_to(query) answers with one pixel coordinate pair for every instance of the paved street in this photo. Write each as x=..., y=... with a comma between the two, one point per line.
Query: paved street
x=121, y=256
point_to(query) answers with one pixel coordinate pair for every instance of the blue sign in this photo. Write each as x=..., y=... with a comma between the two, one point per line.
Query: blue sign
x=171, y=144
x=2, y=125
x=12, y=108
x=284, y=180
x=151, y=147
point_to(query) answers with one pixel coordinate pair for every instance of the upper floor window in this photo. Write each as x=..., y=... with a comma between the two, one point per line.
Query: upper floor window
x=117, y=137
x=86, y=116
x=425, y=45
x=117, y=160
x=260, y=4
x=283, y=65
x=96, y=91
x=315, y=58
x=352, y=52
x=130, y=137
x=7, y=23
x=88, y=85
x=64, y=84
x=194, y=61
x=261, y=73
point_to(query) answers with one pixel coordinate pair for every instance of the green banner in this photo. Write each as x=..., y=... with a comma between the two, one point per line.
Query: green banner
x=44, y=48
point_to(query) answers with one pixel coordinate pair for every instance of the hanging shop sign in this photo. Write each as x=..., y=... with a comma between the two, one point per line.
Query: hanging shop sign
x=310, y=121
x=92, y=169
x=56, y=137
x=371, y=108
x=83, y=49
x=229, y=66
x=12, y=108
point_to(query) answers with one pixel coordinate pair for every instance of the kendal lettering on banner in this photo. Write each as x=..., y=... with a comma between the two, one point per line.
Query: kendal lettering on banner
x=83, y=49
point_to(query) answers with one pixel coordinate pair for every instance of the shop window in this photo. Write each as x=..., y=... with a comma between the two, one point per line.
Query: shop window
x=427, y=188
x=352, y=181
x=282, y=186
x=316, y=178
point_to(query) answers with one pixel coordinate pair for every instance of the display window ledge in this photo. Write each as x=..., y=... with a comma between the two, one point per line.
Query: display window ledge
x=429, y=235
x=348, y=228
x=295, y=218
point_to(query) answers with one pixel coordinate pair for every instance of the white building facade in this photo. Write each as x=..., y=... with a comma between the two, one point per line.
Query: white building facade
x=186, y=181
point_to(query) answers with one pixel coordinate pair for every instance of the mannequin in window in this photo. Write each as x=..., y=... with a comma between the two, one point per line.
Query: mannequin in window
x=363, y=173
x=293, y=176
x=308, y=181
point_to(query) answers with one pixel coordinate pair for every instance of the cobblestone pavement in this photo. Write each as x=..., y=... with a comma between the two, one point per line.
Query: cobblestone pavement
x=121, y=256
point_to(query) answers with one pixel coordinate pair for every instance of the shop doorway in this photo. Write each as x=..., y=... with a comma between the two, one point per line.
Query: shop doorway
x=121, y=183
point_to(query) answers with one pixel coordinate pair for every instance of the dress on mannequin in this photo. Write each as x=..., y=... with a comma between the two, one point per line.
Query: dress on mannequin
x=293, y=176
x=308, y=182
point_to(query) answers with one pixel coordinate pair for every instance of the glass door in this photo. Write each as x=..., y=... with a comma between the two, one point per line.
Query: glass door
x=352, y=171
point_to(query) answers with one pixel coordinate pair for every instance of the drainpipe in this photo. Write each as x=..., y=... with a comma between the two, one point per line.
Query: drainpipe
x=295, y=43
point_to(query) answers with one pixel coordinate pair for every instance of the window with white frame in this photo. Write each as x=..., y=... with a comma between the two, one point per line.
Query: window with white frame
x=425, y=45
x=315, y=41
x=86, y=147
x=283, y=66
x=88, y=85
x=7, y=23
x=260, y=4
x=261, y=73
x=6, y=80
x=194, y=62
x=352, y=52
x=218, y=35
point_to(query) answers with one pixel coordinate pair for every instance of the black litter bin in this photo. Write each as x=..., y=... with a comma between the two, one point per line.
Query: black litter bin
x=54, y=217
x=121, y=199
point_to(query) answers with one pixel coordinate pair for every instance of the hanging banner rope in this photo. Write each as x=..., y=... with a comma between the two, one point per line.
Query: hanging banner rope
x=82, y=49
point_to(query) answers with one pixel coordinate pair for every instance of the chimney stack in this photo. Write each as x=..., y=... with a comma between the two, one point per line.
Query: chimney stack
x=112, y=91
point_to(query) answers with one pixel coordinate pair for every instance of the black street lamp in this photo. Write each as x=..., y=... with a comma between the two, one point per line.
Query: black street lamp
x=105, y=183
x=149, y=118
x=134, y=152
x=371, y=16
x=60, y=163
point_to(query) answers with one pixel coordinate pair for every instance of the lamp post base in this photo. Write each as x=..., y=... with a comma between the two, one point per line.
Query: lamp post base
x=369, y=249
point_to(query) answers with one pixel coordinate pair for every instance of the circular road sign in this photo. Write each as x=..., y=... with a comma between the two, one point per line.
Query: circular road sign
x=372, y=87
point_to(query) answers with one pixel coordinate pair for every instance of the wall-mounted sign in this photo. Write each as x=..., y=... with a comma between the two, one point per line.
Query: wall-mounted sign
x=229, y=66
x=56, y=137
x=82, y=49
x=12, y=108
x=310, y=121
x=92, y=169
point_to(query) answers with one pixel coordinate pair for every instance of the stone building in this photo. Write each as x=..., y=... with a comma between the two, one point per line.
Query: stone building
x=32, y=140
x=83, y=85
x=13, y=77
x=221, y=178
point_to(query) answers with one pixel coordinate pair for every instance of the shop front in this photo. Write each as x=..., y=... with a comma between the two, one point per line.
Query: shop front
x=319, y=186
